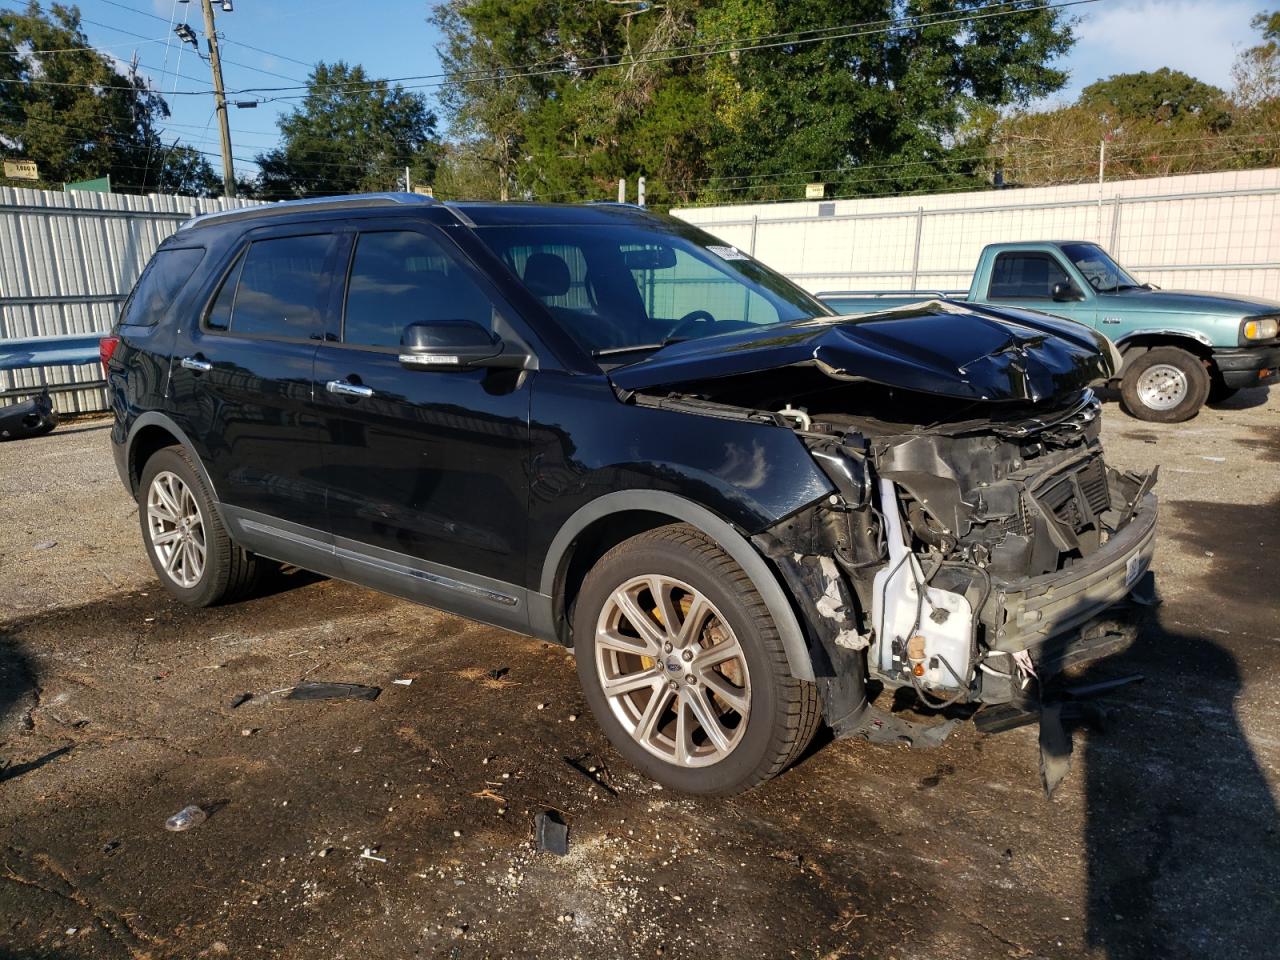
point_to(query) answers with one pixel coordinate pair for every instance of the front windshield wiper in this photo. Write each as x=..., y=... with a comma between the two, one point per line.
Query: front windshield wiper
x=616, y=351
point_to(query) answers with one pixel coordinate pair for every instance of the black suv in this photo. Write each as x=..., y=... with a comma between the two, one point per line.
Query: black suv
x=598, y=426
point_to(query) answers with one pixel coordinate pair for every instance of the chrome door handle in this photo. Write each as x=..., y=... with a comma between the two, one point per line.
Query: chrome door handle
x=200, y=366
x=342, y=388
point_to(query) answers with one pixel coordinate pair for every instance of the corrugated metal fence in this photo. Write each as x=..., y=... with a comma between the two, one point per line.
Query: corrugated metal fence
x=1217, y=231
x=67, y=261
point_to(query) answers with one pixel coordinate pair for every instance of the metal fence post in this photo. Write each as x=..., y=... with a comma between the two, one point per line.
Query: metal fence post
x=915, y=257
x=755, y=225
x=1115, y=225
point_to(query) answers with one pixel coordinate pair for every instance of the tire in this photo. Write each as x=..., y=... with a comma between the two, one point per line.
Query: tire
x=1165, y=385
x=226, y=572
x=1219, y=391
x=780, y=713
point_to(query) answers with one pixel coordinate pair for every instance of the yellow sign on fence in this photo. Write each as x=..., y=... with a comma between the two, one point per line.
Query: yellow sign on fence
x=21, y=170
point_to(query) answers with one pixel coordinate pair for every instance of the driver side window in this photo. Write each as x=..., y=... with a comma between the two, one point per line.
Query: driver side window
x=399, y=277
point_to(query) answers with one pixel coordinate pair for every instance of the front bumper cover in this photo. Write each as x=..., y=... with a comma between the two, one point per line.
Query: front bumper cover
x=1248, y=366
x=1025, y=614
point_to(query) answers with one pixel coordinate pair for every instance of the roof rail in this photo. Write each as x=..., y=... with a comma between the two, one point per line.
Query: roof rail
x=311, y=203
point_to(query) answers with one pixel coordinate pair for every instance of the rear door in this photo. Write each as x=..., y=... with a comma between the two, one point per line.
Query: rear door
x=427, y=471
x=1025, y=278
x=241, y=383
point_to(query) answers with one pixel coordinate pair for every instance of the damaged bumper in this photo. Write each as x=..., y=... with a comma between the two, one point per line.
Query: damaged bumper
x=1028, y=614
x=28, y=418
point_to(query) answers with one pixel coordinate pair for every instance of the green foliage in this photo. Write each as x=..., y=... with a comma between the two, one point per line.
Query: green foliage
x=69, y=108
x=1154, y=123
x=351, y=134
x=715, y=99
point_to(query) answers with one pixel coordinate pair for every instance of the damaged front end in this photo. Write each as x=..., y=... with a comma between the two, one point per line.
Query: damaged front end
x=977, y=545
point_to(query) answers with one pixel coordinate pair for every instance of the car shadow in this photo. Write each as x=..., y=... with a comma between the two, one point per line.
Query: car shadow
x=1245, y=399
x=1181, y=834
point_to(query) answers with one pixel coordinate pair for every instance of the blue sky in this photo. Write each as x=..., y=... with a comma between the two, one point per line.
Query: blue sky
x=392, y=38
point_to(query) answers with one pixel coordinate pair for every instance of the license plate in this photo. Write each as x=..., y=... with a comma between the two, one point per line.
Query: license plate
x=1133, y=570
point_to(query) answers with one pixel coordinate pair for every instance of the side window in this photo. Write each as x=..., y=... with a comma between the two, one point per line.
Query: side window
x=399, y=277
x=219, y=317
x=1031, y=276
x=164, y=278
x=279, y=289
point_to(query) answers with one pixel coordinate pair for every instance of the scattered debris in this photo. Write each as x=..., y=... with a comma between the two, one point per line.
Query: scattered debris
x=487, y=794
x=1214, y=459
x=28, y=418
x=551, y=833
x=313, y=690
x=248, y=731
x=371, y=853
x=404, y=683
x=186, y=819
x=499, y=673
x=45, y=545
x=240, y=700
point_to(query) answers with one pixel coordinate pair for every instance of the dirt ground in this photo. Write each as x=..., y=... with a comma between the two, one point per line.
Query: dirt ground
x=402, y=827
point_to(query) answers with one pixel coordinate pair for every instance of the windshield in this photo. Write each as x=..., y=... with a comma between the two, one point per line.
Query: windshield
x=1103, y=273
x=619, y=288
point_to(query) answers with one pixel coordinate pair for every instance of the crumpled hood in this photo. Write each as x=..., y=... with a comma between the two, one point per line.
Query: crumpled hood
x=939, y=347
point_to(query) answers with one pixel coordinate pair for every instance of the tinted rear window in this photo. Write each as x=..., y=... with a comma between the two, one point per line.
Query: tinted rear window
x=160, y=283
x=282, y=288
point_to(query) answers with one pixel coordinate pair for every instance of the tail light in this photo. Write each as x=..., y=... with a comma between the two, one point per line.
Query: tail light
x=106, y=349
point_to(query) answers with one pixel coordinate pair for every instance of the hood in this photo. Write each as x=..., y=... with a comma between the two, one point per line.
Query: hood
x=937, y=347
x=1193, y=301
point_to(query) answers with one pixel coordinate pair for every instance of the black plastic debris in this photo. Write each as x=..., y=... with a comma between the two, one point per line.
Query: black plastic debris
x=551, y=833
x=499, y=673
x=28, y=418
x=312, y=690
x=240, y=700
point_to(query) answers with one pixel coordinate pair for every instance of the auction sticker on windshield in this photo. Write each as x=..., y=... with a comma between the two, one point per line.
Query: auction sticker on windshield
x=728, y=253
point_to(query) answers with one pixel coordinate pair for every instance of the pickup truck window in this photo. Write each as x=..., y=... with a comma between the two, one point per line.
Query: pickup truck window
x=1025, y=276
x=1103, y=273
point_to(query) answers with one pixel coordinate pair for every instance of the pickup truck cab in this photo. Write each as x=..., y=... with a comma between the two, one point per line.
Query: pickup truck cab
x=1181, y=349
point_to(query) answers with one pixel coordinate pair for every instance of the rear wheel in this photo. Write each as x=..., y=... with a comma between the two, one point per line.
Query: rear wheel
x=185, y=539
x=1165, y=385
x=684, y=669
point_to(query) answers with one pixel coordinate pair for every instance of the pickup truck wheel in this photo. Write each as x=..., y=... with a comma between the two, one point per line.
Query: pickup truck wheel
x=1165, y=385
x=684, y=669
x=185, y=539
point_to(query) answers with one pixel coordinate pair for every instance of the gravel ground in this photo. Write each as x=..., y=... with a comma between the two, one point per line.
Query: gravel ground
x=402, y=827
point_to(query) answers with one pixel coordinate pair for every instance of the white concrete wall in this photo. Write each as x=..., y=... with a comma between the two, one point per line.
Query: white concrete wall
x=1214, y=231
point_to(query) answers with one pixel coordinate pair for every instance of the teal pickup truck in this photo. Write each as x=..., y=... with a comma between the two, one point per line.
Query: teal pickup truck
x=1180, y=349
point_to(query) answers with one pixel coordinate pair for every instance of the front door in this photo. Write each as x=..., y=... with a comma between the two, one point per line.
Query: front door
x=241, y=379
x=426, y=471
x=1026, y=278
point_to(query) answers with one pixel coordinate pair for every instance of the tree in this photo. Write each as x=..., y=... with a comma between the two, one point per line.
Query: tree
x=351, y=134
x=1257, y=70
x=734, y=99
x=70, y=109
x=186, y=171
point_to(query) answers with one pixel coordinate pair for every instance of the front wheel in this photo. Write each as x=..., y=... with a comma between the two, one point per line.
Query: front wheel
x=185, y=539
x=683, y=667
x=1165, y=385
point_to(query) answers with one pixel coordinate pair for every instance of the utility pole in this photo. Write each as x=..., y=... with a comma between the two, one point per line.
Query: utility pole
x=640, y=191
x=1102, y=166
x=220, y=99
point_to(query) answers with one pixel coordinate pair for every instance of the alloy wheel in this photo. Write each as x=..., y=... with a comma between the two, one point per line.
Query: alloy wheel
x=176, y=528
x=1162, y=386
x=673, y=671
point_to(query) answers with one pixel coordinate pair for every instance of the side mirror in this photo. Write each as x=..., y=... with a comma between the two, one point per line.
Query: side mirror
x=453, y=345
x=1066, y=292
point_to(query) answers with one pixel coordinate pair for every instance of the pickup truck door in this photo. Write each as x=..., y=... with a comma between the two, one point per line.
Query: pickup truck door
x=1026, y=278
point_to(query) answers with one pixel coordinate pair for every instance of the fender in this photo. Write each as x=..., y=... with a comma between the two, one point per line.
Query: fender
x=724, y=534
x=154, y=418
x=1167, y=332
